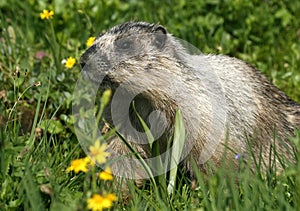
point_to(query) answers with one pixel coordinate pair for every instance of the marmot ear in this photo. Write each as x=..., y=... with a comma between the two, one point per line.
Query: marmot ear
x=160, y=36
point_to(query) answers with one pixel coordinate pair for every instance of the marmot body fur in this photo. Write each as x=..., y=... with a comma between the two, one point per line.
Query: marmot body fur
x=224, y=102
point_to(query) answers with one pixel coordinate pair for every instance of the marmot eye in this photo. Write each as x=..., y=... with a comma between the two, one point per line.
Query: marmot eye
x=124, y=44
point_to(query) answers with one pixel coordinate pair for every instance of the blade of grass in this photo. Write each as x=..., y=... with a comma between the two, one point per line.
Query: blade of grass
x=145, y=127
x=138, y=156
x=155, y=153
x=31, y=189
x=178, y=143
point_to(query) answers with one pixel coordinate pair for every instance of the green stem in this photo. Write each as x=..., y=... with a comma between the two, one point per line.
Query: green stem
x=54, y=47
x=16, y=102
x=94, y=180
x=178, y=144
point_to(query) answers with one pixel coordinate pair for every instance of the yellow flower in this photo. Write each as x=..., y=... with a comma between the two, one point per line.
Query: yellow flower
x=79, y=165
x=98, y=202
x=111, y=197
x=90, y=41
x=97, y=152
x=70, y=62
x=106, y=174
x=46, y=14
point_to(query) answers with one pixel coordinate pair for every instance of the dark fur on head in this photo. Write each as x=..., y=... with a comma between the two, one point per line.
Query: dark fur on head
x=136, y=27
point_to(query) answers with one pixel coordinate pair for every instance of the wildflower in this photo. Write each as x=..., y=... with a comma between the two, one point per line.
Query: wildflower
x=40, y=55
x=240, y=156
x=111, y=197
x=37, y=84
x=70, y=62
x=79, y=165
x=90, y=41
x=98, y=153
x=46, y=14
x=106, y=174
x=98, y=202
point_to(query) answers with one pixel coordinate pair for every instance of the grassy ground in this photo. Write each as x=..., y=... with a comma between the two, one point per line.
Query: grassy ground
x=37, y=140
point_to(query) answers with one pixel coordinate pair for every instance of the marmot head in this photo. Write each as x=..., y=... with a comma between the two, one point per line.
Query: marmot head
x=124, y=50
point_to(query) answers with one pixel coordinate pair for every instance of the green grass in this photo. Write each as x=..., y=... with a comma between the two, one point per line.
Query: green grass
x=33, y=166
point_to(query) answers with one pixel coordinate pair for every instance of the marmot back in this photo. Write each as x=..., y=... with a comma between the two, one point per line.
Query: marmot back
x=225, y=102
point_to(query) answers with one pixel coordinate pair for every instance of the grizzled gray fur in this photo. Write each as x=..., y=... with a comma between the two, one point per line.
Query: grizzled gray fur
x=224, y=101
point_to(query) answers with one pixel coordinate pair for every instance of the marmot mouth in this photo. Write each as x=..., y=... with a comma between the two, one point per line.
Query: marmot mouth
x=107, y=82
x=87, y=76
x=96, y=79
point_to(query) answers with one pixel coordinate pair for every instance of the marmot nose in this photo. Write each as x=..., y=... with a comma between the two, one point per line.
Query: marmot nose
x=82, y=61
x=88, y=54
x=82, y=64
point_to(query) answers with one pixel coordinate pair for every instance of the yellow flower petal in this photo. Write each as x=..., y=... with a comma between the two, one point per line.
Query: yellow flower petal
x=70, y=62
x=106, y=203
x=90, y=41
x=106, y=174
x=46, y=14
x=78, y=165
x=97, y=152
x=89, y=161
x=98, y=202
x=111, y=197
x=95, y=203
